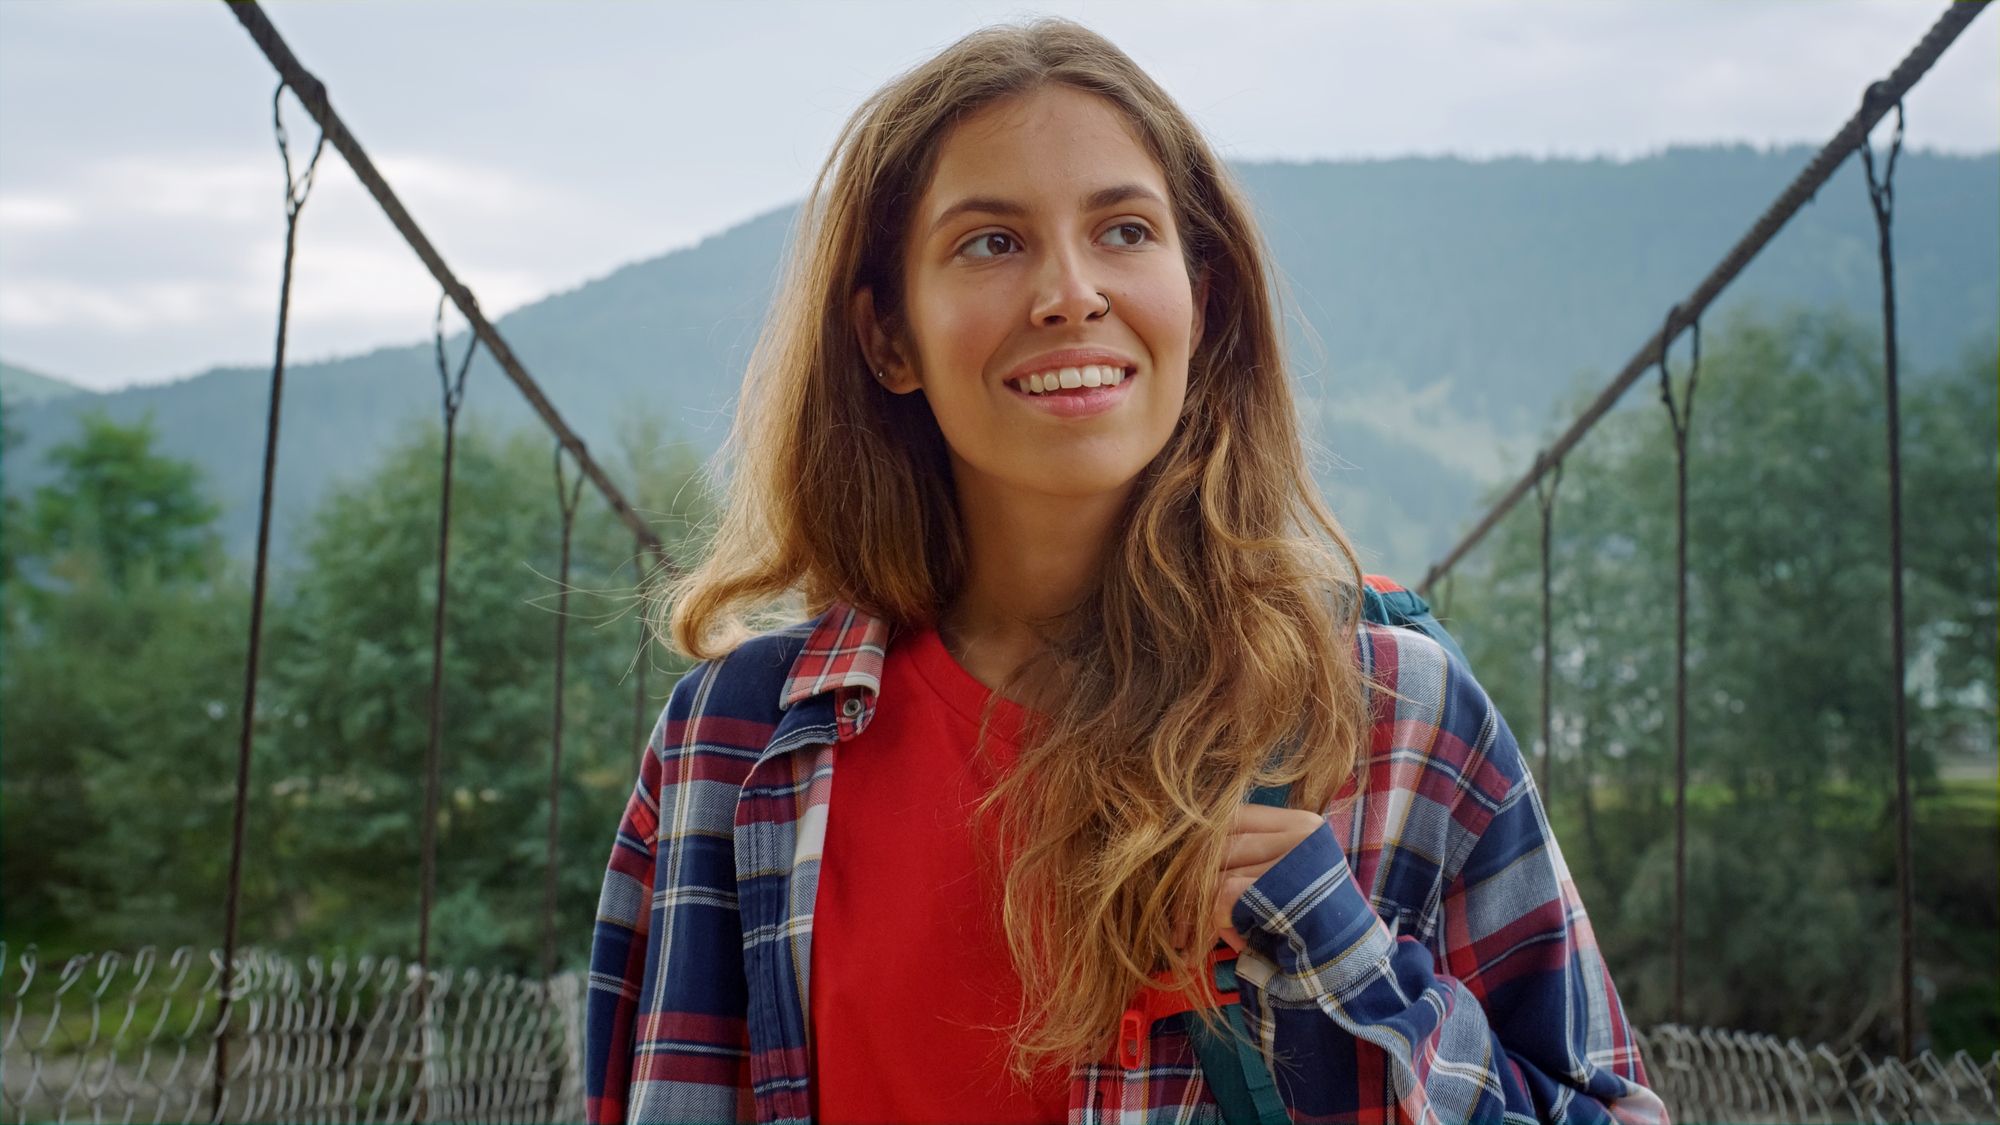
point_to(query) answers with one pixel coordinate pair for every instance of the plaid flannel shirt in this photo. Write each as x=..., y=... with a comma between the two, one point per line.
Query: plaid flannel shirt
x=1424, y=956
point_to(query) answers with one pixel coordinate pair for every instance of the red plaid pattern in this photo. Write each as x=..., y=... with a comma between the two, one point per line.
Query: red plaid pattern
x=1424, y=957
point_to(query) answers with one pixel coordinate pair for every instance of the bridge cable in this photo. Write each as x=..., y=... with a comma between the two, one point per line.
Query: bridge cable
x=567, y=495
x=1545, y=498
x=1882, y=200
x=1801, y=191
x=453, y=395
x=297, y=189
x=1680, y=414
x=312, y=93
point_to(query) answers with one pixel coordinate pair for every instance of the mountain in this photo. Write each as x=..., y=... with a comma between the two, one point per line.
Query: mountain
x=18, y=384
x=1440, y=310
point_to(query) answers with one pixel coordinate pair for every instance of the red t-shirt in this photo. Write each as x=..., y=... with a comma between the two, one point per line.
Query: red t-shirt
x=913, y=992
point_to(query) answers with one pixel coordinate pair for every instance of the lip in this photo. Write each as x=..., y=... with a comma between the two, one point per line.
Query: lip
x=1073, y=403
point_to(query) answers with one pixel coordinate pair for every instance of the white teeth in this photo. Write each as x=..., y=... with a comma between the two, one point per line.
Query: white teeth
x=1070, y=378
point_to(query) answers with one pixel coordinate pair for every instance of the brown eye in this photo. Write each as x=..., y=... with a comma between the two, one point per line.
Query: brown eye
x=990, y=246
x=1127, y=234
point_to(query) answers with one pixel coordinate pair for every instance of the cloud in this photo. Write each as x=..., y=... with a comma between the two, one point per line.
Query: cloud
x=541, y=145
x=49, y=302
x=134, y=245
x=23, y=214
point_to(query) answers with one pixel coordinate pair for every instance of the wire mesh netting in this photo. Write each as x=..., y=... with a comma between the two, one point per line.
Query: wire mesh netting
x=110, y=1037
x=1705, y=1074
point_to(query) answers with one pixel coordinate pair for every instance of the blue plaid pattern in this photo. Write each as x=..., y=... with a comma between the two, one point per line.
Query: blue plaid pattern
x=1423, y=957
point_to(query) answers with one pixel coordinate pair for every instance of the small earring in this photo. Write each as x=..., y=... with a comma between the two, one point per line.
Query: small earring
x=881, y=374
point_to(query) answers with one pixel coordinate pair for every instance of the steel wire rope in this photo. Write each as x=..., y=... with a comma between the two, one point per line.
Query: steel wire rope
x=453, y=396
x=297, y=189
x=567, y=495
x=1680, y=416
x=1803, y=188
x=1545, y=499
x=1882, y=201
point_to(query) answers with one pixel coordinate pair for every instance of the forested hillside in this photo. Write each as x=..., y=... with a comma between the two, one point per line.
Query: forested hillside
x=1440, y=307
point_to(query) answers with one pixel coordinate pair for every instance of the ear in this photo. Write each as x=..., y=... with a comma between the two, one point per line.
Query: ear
x=882, y=348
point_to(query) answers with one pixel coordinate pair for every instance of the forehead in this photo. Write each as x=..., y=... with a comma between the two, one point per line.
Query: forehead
x=1053, y=145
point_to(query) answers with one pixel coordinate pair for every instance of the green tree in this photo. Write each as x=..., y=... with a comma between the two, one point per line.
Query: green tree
x=1791, y=844
x=119, y=690
x=343, y=757
x=127, y=508
x=123, y=638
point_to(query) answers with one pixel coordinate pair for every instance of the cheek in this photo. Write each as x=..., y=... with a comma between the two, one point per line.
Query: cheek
x=1161, y=312
x=955, y=328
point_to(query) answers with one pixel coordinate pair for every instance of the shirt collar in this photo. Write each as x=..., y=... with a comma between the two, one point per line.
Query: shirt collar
x=844, y=655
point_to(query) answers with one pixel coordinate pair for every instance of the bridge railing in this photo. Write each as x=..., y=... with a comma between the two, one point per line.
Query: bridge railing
x=1707, y=1074
x=115, y=1037
x=111, y=1037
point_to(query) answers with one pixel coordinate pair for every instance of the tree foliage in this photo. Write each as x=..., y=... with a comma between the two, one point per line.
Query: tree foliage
x=123, y=639
x=1791, y=858
x=121, y=703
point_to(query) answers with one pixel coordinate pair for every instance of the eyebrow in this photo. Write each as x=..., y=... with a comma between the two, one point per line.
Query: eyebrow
x=1096, y=200
x=979, y=206
x=1119, y=193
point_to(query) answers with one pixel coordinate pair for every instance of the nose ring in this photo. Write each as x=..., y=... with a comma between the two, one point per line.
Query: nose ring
x=1103, y=312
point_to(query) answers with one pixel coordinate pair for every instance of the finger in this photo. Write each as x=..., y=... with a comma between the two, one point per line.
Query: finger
x=1265, y=818
x=1258, y=820
x=1267, y=839
x=1227, y=894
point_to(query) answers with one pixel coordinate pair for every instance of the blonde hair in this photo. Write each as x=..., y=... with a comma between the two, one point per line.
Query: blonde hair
x=1214, y=653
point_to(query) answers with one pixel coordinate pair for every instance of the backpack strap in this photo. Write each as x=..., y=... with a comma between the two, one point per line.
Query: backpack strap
x=1231, y=1064
x=1230, y=1061
x=1384, y=602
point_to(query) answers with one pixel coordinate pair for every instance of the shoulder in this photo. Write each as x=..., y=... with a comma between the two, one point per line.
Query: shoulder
x=1434, y=729
x=735, y=701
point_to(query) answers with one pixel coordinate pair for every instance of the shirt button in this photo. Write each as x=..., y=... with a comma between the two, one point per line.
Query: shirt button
x=852, y=708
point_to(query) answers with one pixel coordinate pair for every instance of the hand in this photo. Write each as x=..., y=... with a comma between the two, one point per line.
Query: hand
x=1261, y=837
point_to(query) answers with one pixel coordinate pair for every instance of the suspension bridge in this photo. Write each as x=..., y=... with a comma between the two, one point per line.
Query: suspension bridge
x=243, y=1034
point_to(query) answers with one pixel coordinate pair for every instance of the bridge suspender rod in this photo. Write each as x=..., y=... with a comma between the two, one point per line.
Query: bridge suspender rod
x=297, y=189
x=312, y=94
x=452, y=392
x=1545, y=495
x=1680, y=413
x=1875, y=104
x=641, y=733
x=1882, y=198
x=567, y=494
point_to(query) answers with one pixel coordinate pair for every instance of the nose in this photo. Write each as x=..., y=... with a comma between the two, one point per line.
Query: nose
x=1064, y=295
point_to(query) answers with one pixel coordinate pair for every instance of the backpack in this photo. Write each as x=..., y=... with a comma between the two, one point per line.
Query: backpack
x=1233, y=1067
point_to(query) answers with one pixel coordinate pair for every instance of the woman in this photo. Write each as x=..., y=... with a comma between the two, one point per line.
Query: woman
x=1018, y=438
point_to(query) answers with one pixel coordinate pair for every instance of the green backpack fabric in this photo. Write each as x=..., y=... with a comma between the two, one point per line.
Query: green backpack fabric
x=1231, y=1063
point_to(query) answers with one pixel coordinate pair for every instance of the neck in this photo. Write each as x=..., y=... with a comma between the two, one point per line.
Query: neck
x=1030, y=559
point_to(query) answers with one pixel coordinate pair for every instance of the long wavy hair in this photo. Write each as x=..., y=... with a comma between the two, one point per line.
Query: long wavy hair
x=1214, y=651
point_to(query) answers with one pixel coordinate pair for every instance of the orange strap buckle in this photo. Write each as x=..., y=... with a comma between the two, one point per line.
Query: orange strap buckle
x=1157, y=1002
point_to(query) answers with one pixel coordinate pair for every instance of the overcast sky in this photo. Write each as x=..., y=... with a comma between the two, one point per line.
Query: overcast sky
x=544, y=144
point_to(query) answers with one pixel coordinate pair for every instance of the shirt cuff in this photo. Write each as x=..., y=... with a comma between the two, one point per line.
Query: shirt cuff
x=1306, y=915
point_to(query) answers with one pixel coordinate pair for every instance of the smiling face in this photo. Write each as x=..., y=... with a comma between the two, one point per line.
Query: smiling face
x=1048, y=314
